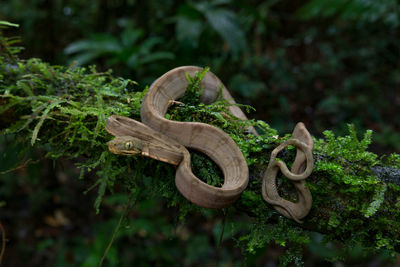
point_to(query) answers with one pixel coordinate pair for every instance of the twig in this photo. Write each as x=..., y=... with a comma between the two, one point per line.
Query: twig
x=3, y=242
x=23, y=165
x=225, y=211
x=123, y=214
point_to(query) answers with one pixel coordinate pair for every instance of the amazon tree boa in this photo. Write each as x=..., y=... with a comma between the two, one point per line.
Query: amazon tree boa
x=166, y=140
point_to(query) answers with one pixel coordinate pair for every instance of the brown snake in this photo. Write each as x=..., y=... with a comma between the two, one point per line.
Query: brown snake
x=301, y=169
x=166, y=140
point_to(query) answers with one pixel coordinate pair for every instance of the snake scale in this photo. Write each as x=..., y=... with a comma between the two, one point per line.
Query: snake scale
x=165, y=140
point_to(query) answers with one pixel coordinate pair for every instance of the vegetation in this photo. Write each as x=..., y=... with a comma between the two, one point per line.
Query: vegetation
x=45, y=108
x=58, y=113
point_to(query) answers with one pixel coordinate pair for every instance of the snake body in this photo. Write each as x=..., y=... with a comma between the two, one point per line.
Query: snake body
x=301, y=169
x=166, y=140
x=205, y=138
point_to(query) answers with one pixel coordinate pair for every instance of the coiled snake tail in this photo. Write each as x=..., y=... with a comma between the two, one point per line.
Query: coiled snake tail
x=301, y=169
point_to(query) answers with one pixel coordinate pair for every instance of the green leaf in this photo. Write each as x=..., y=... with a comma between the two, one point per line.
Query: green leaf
x=84, y=58
x=188, y=30
x=9, y=24
x=149, y=58
x=364, y=11
x=149, y=44
x=101, y=44
x=130, y=36
x=224, y=22
x=321, y=8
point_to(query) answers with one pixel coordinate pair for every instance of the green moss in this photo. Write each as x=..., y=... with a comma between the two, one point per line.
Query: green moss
x=63, y=111
x=344, y=166
x=393, y=160
x=334, y=220
x=379, y=196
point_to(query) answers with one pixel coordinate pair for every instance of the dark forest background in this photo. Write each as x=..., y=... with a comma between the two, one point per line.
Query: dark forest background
x=326, y=63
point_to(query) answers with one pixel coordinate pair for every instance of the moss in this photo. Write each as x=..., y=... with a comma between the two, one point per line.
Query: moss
x=63, y=110
x=344, y=166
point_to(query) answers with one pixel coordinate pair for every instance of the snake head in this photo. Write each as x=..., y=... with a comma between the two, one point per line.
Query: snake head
x=126, y=145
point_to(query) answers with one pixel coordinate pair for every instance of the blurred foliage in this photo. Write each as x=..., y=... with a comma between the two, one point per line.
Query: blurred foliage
x=7, y=44
x=62, y=112
x=327, y=63
x=124, y=52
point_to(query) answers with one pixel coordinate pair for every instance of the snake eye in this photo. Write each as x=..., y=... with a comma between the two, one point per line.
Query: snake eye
x=128, y=145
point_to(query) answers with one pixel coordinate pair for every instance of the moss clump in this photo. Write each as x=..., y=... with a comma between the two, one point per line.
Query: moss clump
x=358, y=201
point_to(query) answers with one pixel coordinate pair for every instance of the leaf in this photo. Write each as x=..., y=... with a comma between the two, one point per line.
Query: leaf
x=9, y=24
x=322, y=8
x=156, y=56
x=246, y=86
x=133, y=61
x=103, y=43
x=148, y=44
x=84, y=58
x=92, y=48
x=226, y=24
x=188, y=30
x=78, y=46
x=369, y=11
x=130, y=36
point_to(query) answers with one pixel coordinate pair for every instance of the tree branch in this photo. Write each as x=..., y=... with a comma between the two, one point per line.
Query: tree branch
x=355, y=194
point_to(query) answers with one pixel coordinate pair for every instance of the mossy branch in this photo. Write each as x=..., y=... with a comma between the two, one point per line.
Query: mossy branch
x=356, y=196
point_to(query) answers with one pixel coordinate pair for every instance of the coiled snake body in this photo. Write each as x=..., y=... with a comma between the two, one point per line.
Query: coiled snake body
x=166, y=140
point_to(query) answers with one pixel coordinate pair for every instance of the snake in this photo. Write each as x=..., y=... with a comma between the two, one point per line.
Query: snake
x=168, y=141
x=301, y=169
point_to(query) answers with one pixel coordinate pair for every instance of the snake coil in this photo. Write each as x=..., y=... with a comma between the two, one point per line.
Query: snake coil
x=301, y=169
x=166, y=140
